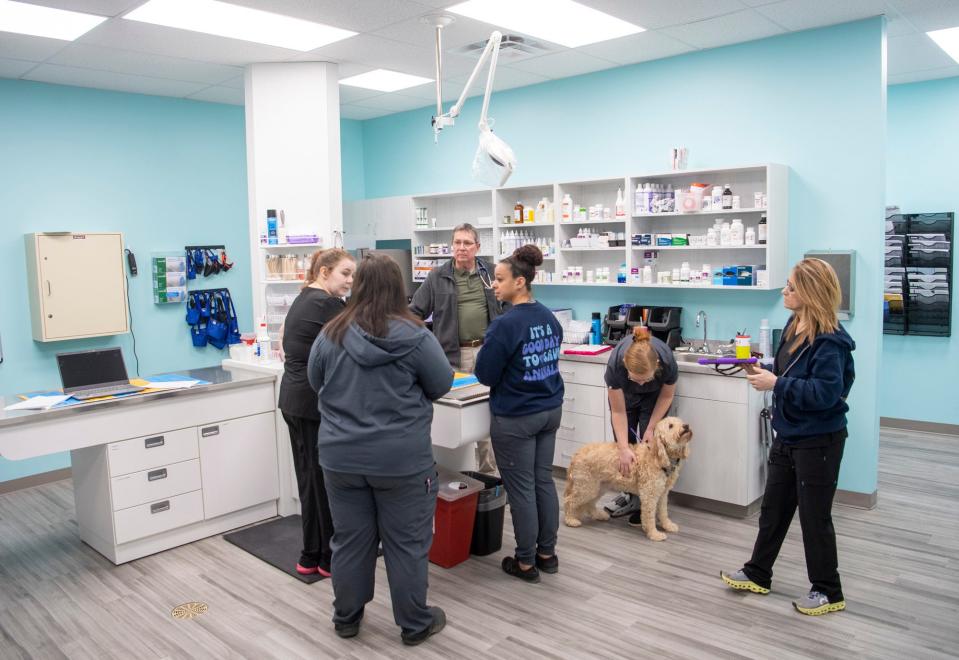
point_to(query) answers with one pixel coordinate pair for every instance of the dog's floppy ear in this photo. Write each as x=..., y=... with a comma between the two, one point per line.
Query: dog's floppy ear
x=661, y=456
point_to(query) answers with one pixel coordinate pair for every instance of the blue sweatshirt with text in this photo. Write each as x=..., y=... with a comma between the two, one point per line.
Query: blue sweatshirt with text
x=519, y=361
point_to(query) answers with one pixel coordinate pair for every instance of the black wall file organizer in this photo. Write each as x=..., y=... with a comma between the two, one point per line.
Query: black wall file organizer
x=919, y=274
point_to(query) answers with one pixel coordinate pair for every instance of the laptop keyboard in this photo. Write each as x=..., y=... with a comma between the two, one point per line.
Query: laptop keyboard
x=105, y=391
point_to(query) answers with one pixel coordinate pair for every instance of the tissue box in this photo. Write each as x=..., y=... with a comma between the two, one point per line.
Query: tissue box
x=744, y=275
x=730, y=275
x=680, y=239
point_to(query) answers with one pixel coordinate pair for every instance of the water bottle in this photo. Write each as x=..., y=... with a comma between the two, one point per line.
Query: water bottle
x=596, y=334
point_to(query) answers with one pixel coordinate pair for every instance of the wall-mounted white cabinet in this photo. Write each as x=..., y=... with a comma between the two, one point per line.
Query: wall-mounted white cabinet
x=77, y=286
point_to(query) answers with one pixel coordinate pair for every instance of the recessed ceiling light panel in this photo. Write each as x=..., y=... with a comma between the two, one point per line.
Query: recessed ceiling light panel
x=223, y=19
x=47, y=22
x=385, y=81
x=563, y=22
x=948, y=40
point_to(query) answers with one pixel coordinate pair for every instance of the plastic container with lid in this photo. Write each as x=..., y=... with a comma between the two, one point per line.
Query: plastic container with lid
x=456, y=500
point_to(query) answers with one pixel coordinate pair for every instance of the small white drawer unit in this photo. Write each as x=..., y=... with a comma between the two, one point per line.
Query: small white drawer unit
x=585, y=409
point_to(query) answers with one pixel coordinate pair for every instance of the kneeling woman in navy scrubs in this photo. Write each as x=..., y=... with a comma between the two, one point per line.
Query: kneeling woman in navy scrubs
x=641, y=375
x=519, y=361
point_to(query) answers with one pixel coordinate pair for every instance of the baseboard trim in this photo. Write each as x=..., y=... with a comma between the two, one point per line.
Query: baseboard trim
x=856, y=499
x=35, y=480
x=914, y=425
x=714, y=506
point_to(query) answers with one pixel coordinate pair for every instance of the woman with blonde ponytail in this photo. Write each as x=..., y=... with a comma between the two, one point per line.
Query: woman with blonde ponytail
x=641, y=376
x=810, y=380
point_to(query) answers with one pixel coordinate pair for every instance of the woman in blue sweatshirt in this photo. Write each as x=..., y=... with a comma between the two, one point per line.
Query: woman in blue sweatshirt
x=519, y=361
x=810, y=380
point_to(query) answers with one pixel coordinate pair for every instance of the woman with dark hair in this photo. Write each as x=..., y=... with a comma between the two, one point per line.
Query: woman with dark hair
x=519, y=361
x=378, y=370
x=811, y=377
x=328, y=281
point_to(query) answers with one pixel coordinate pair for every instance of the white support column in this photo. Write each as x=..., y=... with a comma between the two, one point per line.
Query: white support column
x=293, y=154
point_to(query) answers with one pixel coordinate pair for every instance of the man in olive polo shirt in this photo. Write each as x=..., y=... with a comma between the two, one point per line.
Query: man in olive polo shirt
x=459, y=296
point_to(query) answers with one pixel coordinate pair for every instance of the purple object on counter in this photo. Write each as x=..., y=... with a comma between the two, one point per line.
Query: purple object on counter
x=298, y=239
x=728, y=360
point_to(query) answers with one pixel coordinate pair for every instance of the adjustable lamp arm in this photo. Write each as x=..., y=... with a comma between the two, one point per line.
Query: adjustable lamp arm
x=442, y=120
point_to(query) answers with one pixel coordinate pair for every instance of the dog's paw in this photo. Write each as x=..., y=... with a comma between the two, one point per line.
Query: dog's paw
x=656, y=535
x=600, y=514
x=670, y=526
x=572, y=522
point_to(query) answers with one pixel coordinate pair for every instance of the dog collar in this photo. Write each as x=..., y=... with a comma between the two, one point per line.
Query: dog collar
x=673, y=464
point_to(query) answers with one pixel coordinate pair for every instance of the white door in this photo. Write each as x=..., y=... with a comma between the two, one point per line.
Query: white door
x=717, y=464
x=238, y=464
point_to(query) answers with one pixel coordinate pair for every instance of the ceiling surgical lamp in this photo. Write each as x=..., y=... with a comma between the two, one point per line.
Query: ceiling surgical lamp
x=494, y=161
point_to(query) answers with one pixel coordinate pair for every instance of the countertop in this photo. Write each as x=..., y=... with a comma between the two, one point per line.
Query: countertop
x=685, y=367
x=218, y=377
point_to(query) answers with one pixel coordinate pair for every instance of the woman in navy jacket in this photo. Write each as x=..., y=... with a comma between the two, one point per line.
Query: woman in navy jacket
x=810, y=380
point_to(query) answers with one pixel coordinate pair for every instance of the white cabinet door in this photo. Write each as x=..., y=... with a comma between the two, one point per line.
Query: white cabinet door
x=716, y=468
x=238, y=464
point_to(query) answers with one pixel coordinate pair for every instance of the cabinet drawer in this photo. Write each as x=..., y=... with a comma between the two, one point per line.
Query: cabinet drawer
x=564, y=452
x=584, y=399
x=152, y=451
x=581, y=428
x=712, y=388
x=155, y=484
x=582, y=373
x=155, y=517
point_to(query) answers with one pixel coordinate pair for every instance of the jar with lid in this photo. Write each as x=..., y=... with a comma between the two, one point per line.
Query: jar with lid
x=750, y=236
x=736, y=232
x=712, y=239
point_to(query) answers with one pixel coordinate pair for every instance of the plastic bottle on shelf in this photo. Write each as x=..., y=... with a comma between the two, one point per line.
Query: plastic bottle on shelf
x=684, y=272
x=750, y=236
x=725, y=235
x=567, y=210
x=761, y=233
x=518, y=213
x=716, y=198
x=621, y=276
x=263, y=342
x=647, y=274
x=638, y=199
x=727, y=197
x=765, y=347
x=596, y=334
x=620, y=204
x=736, y=233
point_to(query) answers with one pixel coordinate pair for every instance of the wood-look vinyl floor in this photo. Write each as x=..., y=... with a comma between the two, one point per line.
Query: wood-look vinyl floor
x=618, y=595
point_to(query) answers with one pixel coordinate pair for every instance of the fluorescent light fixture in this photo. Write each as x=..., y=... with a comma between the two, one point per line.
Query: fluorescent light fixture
x=385, y=81
x=40, y=21
x=948, y=40
x=563, y=22
x=225, y=20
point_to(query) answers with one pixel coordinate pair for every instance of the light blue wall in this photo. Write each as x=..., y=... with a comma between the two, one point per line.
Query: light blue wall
x=923, y=156
x=166, y=172
x=351, y=165
x=813, y=100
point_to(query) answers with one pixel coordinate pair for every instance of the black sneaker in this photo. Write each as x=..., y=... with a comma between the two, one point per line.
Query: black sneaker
x=439, y=622
x=511, y=567
x=635, y=519
x=548, y=565
x=347, y=630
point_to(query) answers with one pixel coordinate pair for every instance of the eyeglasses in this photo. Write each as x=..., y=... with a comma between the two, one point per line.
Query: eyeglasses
x=467, y=244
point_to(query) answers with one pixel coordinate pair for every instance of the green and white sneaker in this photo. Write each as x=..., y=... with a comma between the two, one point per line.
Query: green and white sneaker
x=816, y=604
x=739, y=580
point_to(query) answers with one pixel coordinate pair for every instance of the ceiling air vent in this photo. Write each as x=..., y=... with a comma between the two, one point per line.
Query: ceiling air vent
x=511, y=48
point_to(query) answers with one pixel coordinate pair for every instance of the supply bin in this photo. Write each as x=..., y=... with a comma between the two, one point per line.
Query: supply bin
x=490, y=511
x=454, y=516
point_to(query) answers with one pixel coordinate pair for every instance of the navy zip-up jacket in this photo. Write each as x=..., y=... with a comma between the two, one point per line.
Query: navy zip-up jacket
x=809, y=398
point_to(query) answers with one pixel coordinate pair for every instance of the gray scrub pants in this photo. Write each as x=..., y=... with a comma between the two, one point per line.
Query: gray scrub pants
x=524, y=449
x=397, y=510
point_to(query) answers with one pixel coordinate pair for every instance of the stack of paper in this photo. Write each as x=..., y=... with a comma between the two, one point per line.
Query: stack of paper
x=42, y=402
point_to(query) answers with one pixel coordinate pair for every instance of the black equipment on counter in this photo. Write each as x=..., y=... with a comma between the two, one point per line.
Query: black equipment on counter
x=663, y=323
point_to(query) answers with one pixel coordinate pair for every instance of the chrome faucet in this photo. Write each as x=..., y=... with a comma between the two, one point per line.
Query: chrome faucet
x=701, y=317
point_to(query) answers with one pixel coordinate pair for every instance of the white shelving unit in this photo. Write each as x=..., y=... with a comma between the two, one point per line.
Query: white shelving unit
x=478, y=206
x=278, y=294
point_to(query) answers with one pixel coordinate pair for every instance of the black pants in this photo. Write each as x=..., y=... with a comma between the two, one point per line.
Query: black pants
x=637, y=417
x=801, y=476
x=314, y=505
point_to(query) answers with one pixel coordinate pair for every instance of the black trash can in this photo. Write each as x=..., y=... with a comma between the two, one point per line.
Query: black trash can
x=490, y=512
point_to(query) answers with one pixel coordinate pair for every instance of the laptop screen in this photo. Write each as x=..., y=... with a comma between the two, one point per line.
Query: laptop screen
x=91, y=368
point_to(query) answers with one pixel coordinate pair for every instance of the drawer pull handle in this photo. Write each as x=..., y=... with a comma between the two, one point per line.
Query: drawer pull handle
x=156, y=475
x=160, y=507
x=156, y=441
x=210, y=430
x=568, y=428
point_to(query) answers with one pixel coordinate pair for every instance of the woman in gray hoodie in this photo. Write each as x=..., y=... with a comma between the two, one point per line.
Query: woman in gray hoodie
x=377, y=370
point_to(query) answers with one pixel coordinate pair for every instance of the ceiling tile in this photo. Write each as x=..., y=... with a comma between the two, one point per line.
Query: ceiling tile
x=915, y=52
x=378, y=52
x=462, y=32
x=563, y=64
x=927, y=74
x=758, y=3
x=356, y=112
x=655, y=15
x=451, y=90
x=218, y=94
x=394, y=102
x=897, y=26
x=350, y=94
x=14, y=68
x=98, y=7
x=928, y=15
x=357, y=15
x=31, y=49
x=88, y=56
x=506, y=78
x=143, y=37
x=805, y=14
x=640, y=47
x=64, y=75
x=729, y=29
x=233, y=83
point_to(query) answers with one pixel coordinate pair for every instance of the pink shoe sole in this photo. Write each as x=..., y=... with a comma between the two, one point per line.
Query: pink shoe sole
x=303, y=570
x=325, y=574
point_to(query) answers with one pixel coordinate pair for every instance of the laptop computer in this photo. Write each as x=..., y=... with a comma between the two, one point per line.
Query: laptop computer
x=94, y=373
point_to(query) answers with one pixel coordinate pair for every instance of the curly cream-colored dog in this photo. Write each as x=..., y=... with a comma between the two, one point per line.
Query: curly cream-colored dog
x=595, y=468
